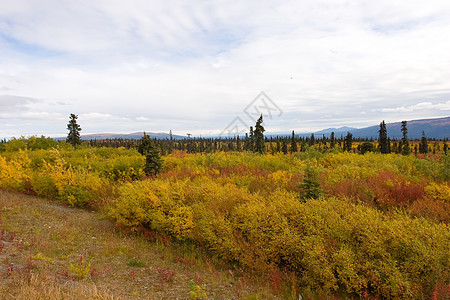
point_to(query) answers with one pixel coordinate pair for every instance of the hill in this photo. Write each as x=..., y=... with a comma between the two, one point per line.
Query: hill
x=130, y=136
x=433, y=128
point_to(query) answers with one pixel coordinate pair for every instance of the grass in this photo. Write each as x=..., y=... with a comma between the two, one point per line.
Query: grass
x=48, y=251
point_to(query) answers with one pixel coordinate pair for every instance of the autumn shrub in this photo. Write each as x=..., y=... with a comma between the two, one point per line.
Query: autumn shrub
x=156, y=205
x=14, y=172
x=331, y=244
x=111, y=163
x=436, y=204
x=44, y=185
x=74, y=186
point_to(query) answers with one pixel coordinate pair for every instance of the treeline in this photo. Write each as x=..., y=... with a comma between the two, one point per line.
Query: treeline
x=273, y=144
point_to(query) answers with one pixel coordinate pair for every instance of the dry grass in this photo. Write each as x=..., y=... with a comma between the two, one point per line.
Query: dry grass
x=48, y=251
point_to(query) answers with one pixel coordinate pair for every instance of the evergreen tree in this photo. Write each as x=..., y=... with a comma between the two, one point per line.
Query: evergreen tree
x=74, y=131
x=312, y=140
x=348, y=142
x=170, y=142
x=396, y=147
x=259, y=145
x=303, y=147
x=238, y=144
x=147, y=148
x=406, y=150
x=445, y=146
x=382, y=139
x=311, y=184
x=278, y=145
x=284, y=147
x=272, y=147
x=251, y=144
x=423, y=146
x=247, y=140
x=332, y=140
x=365, y=147
x=294, y=147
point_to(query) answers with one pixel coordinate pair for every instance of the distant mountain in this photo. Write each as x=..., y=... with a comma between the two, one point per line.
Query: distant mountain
x=335, y=130
x=433, y=128
x=131, y=136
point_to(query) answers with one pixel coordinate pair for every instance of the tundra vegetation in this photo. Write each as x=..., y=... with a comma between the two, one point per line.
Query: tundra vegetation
x=334, y=218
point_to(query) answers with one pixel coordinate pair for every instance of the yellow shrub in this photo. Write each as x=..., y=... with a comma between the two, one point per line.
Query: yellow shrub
x=132, y=208
x=438, y=191
x=280, y=179
x=75, y=186
x=14, y=173
x=181, y=221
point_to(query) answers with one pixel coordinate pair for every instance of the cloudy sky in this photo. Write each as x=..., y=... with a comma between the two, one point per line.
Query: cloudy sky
x=196, y=66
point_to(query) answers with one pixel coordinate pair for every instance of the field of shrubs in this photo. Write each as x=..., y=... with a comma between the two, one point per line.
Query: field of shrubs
x=315, y=222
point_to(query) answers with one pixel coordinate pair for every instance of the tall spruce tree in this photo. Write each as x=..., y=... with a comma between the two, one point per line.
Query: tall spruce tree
x=74, y=131
x=258, y=133
x=348, y=140
x=383, y=139
x=294, y=147
x=332, y=140
x=251, y=144
x=423, y=146
x=147, y=148
x=284, y=147
x=406, y=150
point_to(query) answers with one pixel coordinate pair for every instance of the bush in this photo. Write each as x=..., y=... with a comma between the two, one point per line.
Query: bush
x=14, y=173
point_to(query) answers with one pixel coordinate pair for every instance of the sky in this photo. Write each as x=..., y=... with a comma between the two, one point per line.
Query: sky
x=211, y=67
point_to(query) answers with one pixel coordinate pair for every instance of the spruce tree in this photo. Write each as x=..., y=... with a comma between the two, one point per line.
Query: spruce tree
x=147, y=148
x=348, y=142
x=278, y=145
x=445, y=147
x=251, y=145
x=247, y=141
x=284, y=147
x=406, y=150
x=423, y=146
x=382, y=139
x=74, y=131
x=332, y=140
x=311, y=184
x=170, y=142
x=238, y=144
x=258, y=133
x=294, y=147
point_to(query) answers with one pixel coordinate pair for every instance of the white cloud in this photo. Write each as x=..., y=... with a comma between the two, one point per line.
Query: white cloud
x=12, y=103
x=142, y=119
x=445, y=106
x=172, y=65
